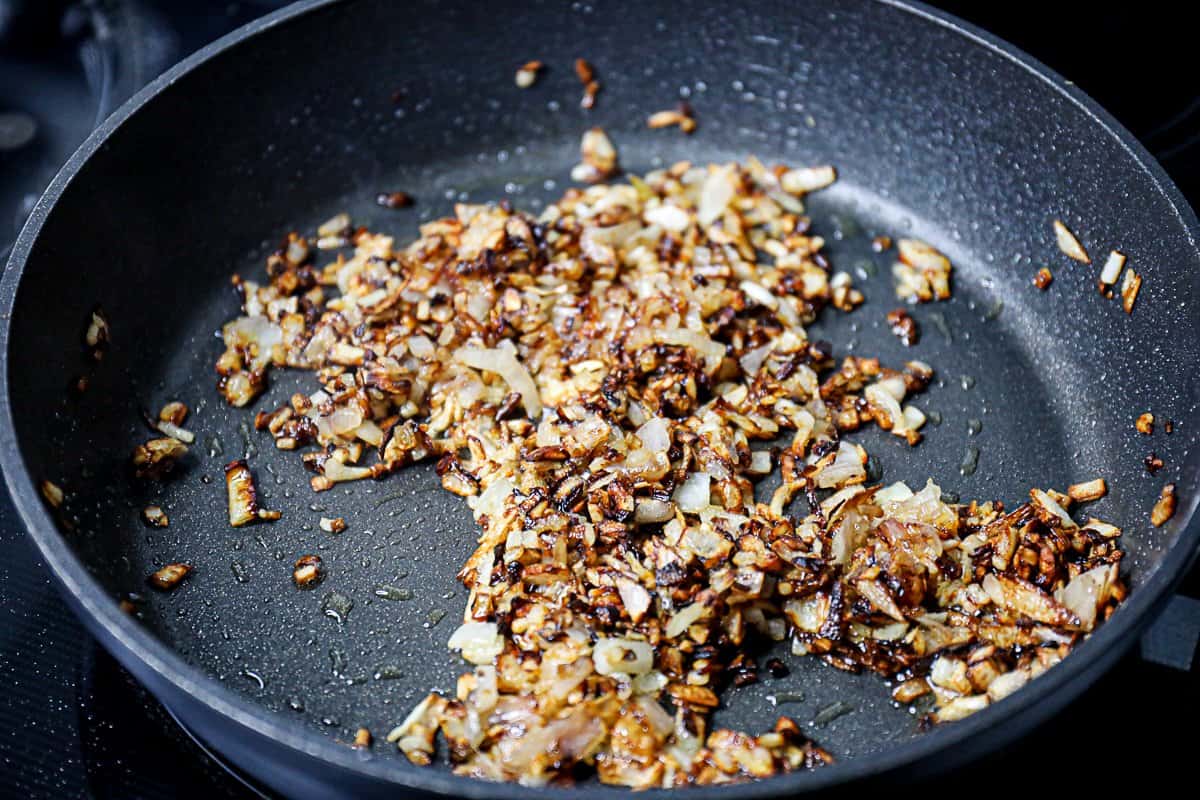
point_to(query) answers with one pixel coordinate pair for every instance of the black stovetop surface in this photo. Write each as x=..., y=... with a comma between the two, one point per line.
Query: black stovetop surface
x=74, y=724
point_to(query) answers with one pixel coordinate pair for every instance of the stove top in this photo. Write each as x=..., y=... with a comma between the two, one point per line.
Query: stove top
x=74, y=724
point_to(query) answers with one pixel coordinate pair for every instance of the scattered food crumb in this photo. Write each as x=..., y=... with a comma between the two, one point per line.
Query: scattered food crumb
x=1164, y=509
x=1153, y=463
x=96, y=338
x=591, y=87
x=922, y=274
x=243, y=496
x=1069, y=244
x=1130, y=286
x=680, y=117
x=1111, y=271
x=155, y=517
x=157, y=457
x=333, y=524
x=52, y=493
x=170, y=576
x=908, y=691
x=527, y=75
x=362, y=738
x=802, y=180
x=1169, y=427
x=394, y=199
x=903, y=326
x=881, y=243
x=170, y=421
x=307, y=571
x=1043, y=279
x=173, y=411
x=1087, y=491
x=599, y=157
x=1145, y=424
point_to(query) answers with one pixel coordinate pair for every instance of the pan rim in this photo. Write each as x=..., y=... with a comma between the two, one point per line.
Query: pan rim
x=1065, y=682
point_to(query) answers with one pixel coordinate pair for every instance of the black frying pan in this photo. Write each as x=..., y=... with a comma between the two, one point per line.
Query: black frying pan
x=938, y=130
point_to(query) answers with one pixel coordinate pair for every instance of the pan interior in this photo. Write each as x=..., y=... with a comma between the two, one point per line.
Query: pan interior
x=205, y=180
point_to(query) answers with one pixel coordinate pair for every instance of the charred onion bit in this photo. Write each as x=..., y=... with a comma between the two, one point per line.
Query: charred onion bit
x=1043, y=279
x=591, y=87
x=599, y=157
x=394, y=199
x=96, y=337
x=1130, y=286
x=1164, y=509
x=155, y=517
x=922, y=274
x=680, y=117
x=527, y=75
x=1069, y=244
x=307, y=571
x=1145, y=424
x=601, y=383
x=169, y=576
x=52, y=493
x=903, y=326
x=243, y=496
x=157, y=457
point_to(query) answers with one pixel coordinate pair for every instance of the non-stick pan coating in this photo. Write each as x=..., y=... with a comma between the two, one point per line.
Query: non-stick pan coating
x=935, y=133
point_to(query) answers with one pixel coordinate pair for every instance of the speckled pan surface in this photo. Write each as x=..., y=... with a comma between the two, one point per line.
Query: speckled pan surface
x=937, y=132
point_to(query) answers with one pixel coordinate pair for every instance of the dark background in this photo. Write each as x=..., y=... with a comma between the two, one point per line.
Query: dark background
x=72, y=724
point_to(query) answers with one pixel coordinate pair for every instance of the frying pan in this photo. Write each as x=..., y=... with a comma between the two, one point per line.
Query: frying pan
x=938, y=130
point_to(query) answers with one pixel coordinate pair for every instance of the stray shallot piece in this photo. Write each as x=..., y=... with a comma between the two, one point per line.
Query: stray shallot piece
x=1043, y=279
x=599, y=157
x=904, y=326
x=157, y=457
x=680, y=117
x=243, y=496
x=881, y=243
x=174, y=411
x=96, y=337
x=170, y=576
x=527, y=75
x=922, y=274
x=1164, y=509
x=1087, y=491
x=802, y=180
x=591, y=87
x=1145, y=423
x=362, y=738
x=1153, y=463
x=170, y=421
x=394, y=200
x=1069, y=244
x=155, y=517
x=307, y=571
x=1111, y=271
x=1130, y=286
x=52, y=493
x=333, y=524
